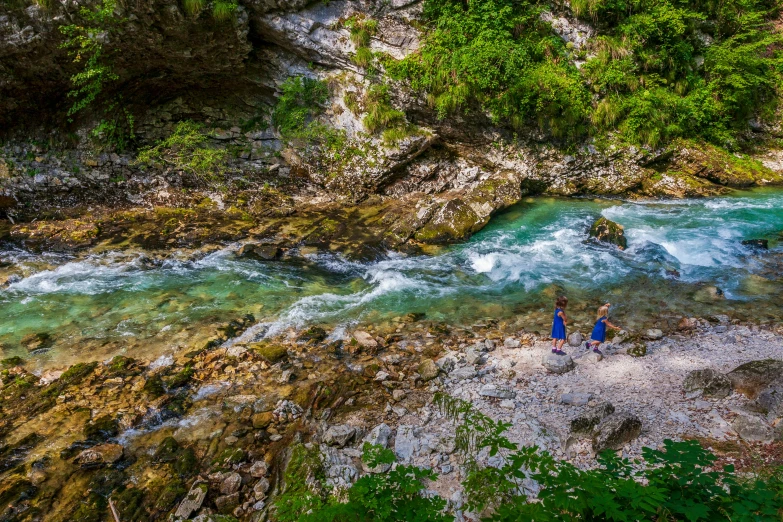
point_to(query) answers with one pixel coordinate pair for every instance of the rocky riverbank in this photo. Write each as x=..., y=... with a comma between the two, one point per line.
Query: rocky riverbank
x=218, y=421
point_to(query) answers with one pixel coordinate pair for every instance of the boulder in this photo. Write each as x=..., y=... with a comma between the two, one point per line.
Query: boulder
x=592, y=357
x=192, y=502
x=364, y=339
x=575, y=339
x=587, y=421
x=753, y=429
x=557, y=363
x=259, y=252
x=759, y=244
x=407, y=443
x=379, y=435
x=606, y=231
x=771, y=399
x=707, y=382
x=615, y=430
x=339, y=435
x=497, y=392
x=460, y=374
x=754, y=377
x=428, y=370
x=101, y=455
x=653, y=334
x=231, y=484
x=510, y=342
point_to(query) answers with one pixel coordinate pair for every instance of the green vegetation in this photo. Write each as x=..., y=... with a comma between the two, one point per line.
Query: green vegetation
x=187, y=150
x=676, y=483
x=85, y=44
x=221, y=9
x=362, y=30
x=661, y=69
x=300, y=102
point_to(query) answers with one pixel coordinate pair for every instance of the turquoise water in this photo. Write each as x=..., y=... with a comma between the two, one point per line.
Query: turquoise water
x=112, y=303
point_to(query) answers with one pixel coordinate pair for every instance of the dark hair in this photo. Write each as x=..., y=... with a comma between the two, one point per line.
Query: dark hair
x=561, y=301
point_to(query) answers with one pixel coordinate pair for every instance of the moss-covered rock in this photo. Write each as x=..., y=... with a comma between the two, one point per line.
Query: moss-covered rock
x=607, y=231
x=454, y=220
x=269, y=351
x=102, y=428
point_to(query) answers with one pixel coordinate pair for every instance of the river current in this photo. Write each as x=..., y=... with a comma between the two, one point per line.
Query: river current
x=679, y=253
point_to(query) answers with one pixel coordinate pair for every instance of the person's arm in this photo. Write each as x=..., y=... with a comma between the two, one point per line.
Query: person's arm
x=563, y=316
x=610, y=325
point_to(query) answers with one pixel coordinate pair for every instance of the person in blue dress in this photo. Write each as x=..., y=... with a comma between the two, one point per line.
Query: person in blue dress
x=559, y=325
x=599, y=330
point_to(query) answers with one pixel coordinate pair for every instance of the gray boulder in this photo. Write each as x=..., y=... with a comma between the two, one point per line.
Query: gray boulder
x=339, y=435
x=754, y=377
x=428, y=370
x=379, y=435
x=587, y=421
x=557, y=363
x=472, y=356
x=497, y=392
x=576, y=399
x=753, y=429
x=707, y=382
x=460, y=374
x=614, y=431
x=771, y=399
x=192, y=502
x=575, y=339
x=653, y=334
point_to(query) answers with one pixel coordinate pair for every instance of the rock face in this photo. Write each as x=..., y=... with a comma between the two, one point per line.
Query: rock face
x=606, y=231
x=615, y=430
x=557, y=363
x=707, y=382
x=339, y=435
x=752, y=378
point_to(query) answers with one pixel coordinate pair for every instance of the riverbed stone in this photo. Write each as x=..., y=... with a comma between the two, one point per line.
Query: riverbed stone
x=511, y=342
x=607, y=231
x=653, y=334
x=707, y=382
x=259, y=252
x=687, y=323
x=637, y=349
x=576, y=399
x=339, y=435
x=753, y=377
x=472, y=356
x=428, y=370
x=101, y=455
x=497, y=392
x=460, y=374
x=231, y=483
x=753, y=429
x=407, y=443
x=616, y=430
x=192, y=501
x=585, y=422
x=364, y=339
x=557, y=363
x=575, y=339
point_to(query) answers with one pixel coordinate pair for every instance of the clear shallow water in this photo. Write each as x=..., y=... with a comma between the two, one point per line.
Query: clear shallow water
x=104, y=305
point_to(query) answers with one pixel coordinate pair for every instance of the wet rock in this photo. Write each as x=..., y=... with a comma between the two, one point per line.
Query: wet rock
x=497, y=392
x=771, y=399
x=687, y=323
x=364, y=339
x=607, y=231
x=428, y=370
x=706, y=382
x=313, y=335
x=759, y=244
x=272, y=352
x=753, y=377
x=379, y=435
x=557, y=363
x=587, y=421
x=575, y=339
x=460, y=374
x=753, y=429
x=37, y=341
x=192, y=502
x=101, y=455
x=339, y=435
x=653, y=334
x=576, y=399
x=615, y=430
x=259, y=252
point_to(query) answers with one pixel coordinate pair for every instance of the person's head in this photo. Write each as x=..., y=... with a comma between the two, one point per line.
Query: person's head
x=561, y=302
x=603, y=311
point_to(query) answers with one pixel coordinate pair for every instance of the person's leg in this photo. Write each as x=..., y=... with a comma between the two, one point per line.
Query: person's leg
x=560, y=345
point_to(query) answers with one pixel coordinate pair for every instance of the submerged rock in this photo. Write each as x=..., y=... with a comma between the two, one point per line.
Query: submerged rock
x=557, y=363
x=616, y=430
x=706, y=382
x=102, y=455
x=753, y=377
x=606, y=231
x=761, y=244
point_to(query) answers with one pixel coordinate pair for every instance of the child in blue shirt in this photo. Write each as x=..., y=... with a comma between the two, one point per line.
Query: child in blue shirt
x=599, y=330
x=559, y=325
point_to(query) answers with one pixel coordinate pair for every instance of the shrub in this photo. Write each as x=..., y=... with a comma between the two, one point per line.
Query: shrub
x=300, y=101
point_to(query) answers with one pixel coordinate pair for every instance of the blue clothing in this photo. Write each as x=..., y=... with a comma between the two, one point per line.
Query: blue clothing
x=599, y=330
x=558, y=326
